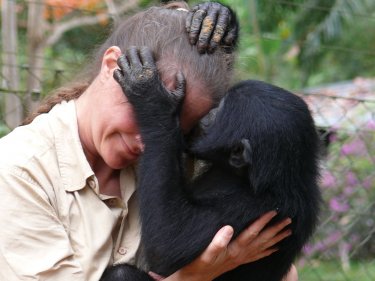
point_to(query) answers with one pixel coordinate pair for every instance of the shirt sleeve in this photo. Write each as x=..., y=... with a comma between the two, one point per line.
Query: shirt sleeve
x=34, y=244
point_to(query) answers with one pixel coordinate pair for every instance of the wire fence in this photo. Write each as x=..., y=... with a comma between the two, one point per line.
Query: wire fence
x=343, y=247
x=345, y=239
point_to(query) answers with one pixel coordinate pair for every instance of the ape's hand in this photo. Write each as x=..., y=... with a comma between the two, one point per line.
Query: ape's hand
x=139, y=79
x=212, y=24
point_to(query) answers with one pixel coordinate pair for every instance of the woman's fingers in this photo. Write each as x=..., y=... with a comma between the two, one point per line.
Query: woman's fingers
x=258, y=241
x=155, y=276
x=278, y=226
x=218, y=245
x=250, y=233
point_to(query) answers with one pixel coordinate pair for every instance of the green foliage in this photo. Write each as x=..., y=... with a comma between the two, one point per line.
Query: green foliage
x=273, y=12
x=305, y=42
x=322, y=23
x=3, y=130
x=317, y=270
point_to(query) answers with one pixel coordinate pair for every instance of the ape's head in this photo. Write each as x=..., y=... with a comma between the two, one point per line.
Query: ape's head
x=264, y=129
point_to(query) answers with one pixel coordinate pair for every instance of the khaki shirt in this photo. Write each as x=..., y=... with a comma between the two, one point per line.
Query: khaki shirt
x=54, y=224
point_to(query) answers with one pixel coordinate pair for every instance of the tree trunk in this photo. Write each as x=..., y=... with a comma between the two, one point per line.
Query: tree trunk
x=36, y=44
x=13, y=105
x=261, y=59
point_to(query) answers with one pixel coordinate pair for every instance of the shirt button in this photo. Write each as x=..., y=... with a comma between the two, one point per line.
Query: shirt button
x=91, y=183
x=112, y=202
x=122, y=251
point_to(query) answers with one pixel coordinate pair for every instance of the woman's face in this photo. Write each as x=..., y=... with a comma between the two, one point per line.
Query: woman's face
x=116, y=135
x=117, y=138
x=196, y=105
x=120, y=142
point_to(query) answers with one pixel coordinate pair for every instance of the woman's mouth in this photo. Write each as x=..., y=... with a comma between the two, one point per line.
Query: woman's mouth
x=131, y=153
x=135, y=150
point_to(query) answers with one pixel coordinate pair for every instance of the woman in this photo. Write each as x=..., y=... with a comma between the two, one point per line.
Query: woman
x=67, y=185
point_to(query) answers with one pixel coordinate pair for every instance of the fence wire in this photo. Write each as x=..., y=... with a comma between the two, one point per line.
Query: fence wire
x=345, y=239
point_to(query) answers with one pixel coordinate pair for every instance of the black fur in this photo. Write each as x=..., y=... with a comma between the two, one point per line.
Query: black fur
x=125, y=272
x=263, y=150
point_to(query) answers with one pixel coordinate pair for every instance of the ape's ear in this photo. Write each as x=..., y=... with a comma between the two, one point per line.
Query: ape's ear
x=240, y=154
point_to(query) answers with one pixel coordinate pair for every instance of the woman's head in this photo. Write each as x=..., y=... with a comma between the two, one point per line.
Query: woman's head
x=112, y=122
x=163, y=31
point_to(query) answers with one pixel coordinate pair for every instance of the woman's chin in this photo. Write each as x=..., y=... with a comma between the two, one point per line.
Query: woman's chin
x=120, y=163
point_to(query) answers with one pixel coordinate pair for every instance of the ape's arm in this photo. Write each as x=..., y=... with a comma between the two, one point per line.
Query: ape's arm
x=165, y=210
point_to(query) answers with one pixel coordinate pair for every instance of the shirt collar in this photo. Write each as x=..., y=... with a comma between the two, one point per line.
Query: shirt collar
x=73, y=164
x=128, y=182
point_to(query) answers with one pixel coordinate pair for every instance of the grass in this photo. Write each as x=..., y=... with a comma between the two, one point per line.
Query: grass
x=333, y=271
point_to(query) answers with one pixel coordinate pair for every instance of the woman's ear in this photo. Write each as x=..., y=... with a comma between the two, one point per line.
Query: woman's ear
x=109, y=62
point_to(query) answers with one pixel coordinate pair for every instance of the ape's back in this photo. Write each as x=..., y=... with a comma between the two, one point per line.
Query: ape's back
x=263, y=152
x=282, y=172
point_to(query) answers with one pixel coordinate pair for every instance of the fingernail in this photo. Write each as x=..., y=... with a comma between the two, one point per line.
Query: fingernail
x=227, y=231
x=274, y=213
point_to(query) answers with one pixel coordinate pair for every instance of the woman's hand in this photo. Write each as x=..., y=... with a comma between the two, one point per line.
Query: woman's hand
x=221, y=255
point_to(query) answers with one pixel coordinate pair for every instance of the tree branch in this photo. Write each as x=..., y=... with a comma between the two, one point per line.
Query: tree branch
x=59, y=29
x=112, y=9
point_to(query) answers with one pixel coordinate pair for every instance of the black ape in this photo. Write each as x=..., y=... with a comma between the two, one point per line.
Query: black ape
x=263, y=151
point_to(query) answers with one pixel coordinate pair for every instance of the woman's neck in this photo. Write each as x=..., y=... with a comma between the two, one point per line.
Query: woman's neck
x=108, y=178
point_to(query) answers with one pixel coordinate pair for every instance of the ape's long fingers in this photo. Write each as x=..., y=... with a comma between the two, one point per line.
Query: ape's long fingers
x=147, y=57
x=179, y=92
x=195, y=26
x=212, y=24
x=149, y=70
x=123, y=63
x=189, y=18
x=208, y=27
x=222, y=22
x=231, y=37
x=118, y=76
x=123, y=80
x=133, y=57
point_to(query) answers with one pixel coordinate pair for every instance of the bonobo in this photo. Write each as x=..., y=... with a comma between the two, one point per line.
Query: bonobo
x=262, y=148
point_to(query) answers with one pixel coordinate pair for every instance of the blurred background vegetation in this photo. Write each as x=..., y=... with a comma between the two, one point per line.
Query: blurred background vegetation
x=292, y=43
x=296, y=44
